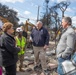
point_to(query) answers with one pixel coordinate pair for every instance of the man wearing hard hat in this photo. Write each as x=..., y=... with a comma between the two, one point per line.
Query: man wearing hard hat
x=20, y=42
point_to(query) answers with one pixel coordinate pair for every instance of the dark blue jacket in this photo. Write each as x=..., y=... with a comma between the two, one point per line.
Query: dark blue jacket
x=40, y=37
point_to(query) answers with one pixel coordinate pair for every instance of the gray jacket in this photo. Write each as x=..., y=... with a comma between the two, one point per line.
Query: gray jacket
x=65, y=46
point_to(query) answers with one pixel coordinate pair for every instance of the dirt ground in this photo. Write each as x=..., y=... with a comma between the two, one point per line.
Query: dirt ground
x=29, y=61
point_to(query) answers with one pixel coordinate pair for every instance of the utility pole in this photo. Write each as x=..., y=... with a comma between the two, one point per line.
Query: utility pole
x=38, y=13
x=47, y=1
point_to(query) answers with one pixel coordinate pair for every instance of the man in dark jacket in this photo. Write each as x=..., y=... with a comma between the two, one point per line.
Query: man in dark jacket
x=40, y=39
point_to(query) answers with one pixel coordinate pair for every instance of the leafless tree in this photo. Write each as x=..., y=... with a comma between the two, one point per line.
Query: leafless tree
x=63, y=6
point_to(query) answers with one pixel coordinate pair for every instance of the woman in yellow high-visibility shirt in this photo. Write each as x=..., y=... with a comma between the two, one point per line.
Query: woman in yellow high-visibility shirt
x=20, y=42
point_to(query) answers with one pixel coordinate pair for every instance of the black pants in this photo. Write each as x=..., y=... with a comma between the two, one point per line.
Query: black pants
x=10, y=70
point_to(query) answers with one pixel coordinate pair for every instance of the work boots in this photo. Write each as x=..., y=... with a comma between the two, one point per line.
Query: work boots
x=38, y=68
x=47, y=72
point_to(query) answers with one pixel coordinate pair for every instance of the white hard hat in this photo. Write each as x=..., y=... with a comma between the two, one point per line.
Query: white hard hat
x=19, y=29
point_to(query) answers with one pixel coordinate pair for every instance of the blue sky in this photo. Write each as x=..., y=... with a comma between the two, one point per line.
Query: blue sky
x=28, y=8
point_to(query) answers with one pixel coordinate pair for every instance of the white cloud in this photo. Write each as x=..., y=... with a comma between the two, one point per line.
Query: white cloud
x=22, y=20
x=69, y=10
x=27, y=12
x=19, y=15
x=15, y=9
x=32, y=19
x=52, y=0
x=66, y=0
x=60, y=0
x=11, y=1
x=66, y=14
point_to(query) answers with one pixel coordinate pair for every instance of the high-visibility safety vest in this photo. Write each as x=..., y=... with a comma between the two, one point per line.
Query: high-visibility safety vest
x=21, y=43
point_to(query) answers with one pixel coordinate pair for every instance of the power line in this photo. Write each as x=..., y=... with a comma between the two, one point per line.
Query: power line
x=27, y=18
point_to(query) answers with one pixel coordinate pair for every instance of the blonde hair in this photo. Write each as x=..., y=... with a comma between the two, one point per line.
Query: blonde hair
x=7, y=26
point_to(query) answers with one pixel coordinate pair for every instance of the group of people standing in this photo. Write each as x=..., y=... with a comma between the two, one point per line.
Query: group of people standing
x=8, y=49
x=13, y=49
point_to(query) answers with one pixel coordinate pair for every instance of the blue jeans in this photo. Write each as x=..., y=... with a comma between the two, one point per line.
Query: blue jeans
x=74, y=57
x=60, y=60
x=60, y=69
